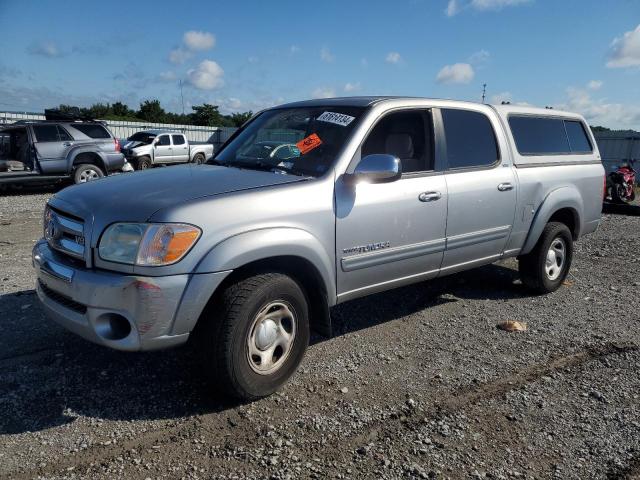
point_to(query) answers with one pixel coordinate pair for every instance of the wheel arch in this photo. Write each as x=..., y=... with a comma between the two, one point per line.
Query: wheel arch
x=290, y=251
x=562, y=205
x=88, y=157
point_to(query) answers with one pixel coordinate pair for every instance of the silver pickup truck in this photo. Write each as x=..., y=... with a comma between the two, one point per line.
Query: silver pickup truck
x=161, y=147
x=246, y=254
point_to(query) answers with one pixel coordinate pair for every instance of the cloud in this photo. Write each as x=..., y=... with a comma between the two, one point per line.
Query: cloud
x=168, y=76
x=595, y=84
x=456, y=6
x=323, y=92
x=625, y=51
x=198, y=41
x=253, y=59
x=456, y=73
x=393, y=57
x=364, y=63
x=479, y=57
x=293, y=49
x=179, y=55
x=600, y=111
x=326, y=55
x=352, y=87
x=45, y=49
x=206, y=76
x=453, y=8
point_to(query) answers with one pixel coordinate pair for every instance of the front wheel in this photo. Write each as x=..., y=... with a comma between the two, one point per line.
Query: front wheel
x=544, y=269
x=143, y=163
x=87, y=172
x=255, y=337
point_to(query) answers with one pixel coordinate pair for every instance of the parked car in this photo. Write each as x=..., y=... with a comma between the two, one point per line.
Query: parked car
x=156, y=147
x=43, y=151
x=245, y=256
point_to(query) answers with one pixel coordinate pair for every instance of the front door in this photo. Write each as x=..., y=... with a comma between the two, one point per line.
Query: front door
x=482, y=191
x=392, y=233
x=163, y=151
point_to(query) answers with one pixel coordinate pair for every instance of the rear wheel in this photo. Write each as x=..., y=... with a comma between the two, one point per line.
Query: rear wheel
x=198, y=159
x=255, y=337
x=547, y=265
x=87, y=172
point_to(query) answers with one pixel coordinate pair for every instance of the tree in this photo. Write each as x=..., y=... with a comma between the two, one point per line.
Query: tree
x=151, y=111
x=600, y=129
x=207, y=115
x=119, y=109
x=238, y=119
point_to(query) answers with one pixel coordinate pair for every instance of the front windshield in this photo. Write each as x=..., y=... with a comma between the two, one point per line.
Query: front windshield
x=301, y=141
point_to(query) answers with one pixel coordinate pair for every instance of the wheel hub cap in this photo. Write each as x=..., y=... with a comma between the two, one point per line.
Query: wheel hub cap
x=271, y=337
x=266, y=334
x=554, y=263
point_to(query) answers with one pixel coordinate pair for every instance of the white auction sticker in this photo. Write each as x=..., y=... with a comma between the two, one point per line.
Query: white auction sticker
x=337, y=118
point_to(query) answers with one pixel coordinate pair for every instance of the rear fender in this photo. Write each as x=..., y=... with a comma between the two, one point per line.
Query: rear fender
x=563, y=197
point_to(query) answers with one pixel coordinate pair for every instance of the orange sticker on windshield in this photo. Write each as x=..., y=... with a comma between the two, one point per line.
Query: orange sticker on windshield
x=307, y=144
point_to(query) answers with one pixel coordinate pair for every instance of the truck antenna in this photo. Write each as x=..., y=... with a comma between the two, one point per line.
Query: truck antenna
x=484, y=91
x=181, y=97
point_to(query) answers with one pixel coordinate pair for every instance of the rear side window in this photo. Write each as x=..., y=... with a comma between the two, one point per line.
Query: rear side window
x=178, y=139
x=578, y=140
x=92, y=130
x=471, y=141
x=548, y=136
x=50, y=133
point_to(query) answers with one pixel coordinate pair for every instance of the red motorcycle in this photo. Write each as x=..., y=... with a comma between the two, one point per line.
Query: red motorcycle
x=621, y=183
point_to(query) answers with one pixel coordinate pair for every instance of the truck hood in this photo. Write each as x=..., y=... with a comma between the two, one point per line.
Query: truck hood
x=134, y=197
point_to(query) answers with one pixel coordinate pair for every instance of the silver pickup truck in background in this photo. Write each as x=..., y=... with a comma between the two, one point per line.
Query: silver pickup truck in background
x=246, y=254
x=161, y=147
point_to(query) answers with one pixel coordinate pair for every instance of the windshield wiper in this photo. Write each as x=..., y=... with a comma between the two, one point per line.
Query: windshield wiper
x=262, y=166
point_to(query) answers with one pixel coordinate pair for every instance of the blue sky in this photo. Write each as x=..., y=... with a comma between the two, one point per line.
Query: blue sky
x=583, y=55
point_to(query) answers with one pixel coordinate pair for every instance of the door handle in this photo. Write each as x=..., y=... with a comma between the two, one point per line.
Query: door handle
x=67, y=144
x=429, y=196
x=503, y=187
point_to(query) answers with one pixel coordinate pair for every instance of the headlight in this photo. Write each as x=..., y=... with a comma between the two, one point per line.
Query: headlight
x=147, y=244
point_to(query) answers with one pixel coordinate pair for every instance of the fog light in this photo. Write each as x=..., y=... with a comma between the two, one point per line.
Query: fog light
x=113, y=326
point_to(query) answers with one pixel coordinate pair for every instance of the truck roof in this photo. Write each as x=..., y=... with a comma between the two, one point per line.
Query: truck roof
x=367, y=101
x=158, y=131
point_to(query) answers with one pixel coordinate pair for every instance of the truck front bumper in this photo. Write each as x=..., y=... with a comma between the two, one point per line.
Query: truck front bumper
x=125, y=312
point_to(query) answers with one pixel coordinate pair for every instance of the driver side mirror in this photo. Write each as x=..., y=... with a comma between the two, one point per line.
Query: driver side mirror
x=376, y=168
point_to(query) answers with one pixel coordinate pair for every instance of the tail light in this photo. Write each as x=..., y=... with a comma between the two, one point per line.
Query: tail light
x=117, y=144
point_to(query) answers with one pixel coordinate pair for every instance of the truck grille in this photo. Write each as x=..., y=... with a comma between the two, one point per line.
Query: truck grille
x=63, y=299
x=65, y=233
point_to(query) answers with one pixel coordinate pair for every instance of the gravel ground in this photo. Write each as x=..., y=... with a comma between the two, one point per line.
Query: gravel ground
x=417, y=383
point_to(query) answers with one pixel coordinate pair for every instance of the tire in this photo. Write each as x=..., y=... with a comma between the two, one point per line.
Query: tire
x=143, y=163
x=198, y=159
x=536, y=272
x=87, y=172
x=242, y=351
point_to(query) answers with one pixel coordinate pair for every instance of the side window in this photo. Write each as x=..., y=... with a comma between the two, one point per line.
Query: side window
x=46, y=133
x=92, y=130
x=63, y=135
x=163, y=140
x=470, y=139
x=178, y=139
x=578, y=140
x=407, y=135
x=539, y=136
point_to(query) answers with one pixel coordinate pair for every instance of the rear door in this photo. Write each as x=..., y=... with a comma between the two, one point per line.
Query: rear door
x=163, y=151
x=52, y=143
x=481, y=189
x=180, y=148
